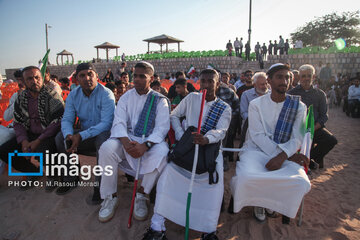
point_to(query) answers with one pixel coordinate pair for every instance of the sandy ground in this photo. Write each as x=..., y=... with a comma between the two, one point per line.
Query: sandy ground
x=332, y=208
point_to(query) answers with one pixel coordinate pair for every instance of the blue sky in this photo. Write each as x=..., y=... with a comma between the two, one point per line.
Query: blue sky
x=79, y=25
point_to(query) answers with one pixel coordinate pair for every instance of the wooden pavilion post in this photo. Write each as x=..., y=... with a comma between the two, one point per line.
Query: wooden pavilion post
x=97, y=51
x=107, y=54
x=178, y=47
x=148, y=47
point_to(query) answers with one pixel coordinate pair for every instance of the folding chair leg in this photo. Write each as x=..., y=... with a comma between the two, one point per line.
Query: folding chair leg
x=301, y=213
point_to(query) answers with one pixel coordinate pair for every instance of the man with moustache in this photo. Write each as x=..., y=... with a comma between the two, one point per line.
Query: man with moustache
x=323, y=140
x=248, y=83
x=93, y=104
x=130, y=141
x=37, y=115
x=174, y=181
x=270, y=173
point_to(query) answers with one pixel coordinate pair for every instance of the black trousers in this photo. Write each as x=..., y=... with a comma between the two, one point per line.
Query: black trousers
x=323, y=142
x=228, y=141
x=237, y=52
x=85, y=147
x=22, y=164
x=354, y=108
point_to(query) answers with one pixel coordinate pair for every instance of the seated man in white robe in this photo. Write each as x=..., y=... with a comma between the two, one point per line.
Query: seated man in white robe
x=127, y=144
x=270, y=173
x=173, y=184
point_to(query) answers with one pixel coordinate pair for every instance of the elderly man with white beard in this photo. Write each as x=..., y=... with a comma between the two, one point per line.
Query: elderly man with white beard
x=260, y=88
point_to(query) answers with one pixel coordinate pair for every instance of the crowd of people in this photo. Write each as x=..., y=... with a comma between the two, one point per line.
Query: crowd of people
x=281, y=47
x=132, y=119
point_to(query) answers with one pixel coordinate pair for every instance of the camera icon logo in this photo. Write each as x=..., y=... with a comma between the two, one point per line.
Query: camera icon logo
x=17, y=154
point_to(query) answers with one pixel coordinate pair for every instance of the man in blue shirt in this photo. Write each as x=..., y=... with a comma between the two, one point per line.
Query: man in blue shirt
x=94, y=106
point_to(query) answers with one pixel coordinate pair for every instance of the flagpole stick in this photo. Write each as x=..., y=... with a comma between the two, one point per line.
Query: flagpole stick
x=188, y=202
x=139, y=162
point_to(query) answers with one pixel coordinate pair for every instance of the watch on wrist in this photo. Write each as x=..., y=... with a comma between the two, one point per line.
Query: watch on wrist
x=149, y=144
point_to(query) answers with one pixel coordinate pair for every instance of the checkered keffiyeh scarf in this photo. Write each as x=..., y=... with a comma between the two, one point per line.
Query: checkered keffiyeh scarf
x=50, y=108
x=151, y=121
x=213, y=116
x=286, y=119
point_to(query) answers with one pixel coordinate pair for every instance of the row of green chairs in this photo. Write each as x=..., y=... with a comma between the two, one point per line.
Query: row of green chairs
x=321, y=50
x=223, y=53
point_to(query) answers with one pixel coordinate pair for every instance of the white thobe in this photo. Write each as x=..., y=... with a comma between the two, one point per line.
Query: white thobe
x=173, y=184
x=126, y=116
x=253, y=185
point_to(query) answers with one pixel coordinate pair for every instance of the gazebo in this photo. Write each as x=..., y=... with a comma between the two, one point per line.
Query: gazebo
x=62, y=54
x=161, y=40
x=106, y=46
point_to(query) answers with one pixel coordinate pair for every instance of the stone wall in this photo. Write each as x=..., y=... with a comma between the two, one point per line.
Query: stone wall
x=162, y=66
x=339, y=62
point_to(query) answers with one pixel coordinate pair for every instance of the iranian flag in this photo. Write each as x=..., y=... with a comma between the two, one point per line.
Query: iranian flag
x=191, y=70
x=43, y=63
x=309, y=134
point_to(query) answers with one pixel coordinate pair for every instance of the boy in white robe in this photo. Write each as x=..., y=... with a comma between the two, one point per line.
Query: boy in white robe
x=173, y=184
x=270, y=173
x=126, y=145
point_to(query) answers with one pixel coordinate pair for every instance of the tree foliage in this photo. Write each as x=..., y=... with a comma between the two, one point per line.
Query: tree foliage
x=322, y=31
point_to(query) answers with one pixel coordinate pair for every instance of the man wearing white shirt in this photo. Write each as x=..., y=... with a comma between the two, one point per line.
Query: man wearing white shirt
x=237, y=47
x=174, y=181
x=130, y=141
x=270, y=173
x=354, y=98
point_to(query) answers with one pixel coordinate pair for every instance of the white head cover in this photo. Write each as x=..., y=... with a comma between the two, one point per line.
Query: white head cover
x=148, y=64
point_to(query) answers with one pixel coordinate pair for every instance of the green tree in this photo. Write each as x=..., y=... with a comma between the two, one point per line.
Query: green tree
x=322, y=31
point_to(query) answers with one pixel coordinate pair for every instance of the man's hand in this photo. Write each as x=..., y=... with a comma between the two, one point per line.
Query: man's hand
x=127, y=144
x=25, y=146
x=200, y=139
x=137, y=150
x=317, y=126
x=75, y=140
x=276, y=162
x=34, y=144
x=300, y=159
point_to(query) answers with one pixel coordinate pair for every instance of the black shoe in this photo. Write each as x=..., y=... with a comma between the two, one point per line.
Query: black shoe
x=65, y=189
x=50, y=185
x=29, y=183
x=154, y=235
x=285, y=219
x=313, y=165
x=209, y=236
x=95, y=198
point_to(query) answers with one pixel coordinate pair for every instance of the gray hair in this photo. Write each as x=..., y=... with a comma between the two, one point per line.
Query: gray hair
x=295, y=71
x=306, y=67
x=257, y=75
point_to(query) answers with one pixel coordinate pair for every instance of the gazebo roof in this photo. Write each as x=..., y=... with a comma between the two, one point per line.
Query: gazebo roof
x=161, y=39
x=107, y=45
x=64, y=52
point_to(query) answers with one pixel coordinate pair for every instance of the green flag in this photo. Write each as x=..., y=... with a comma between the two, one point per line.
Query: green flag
x=43, y=64
x=310, y=125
